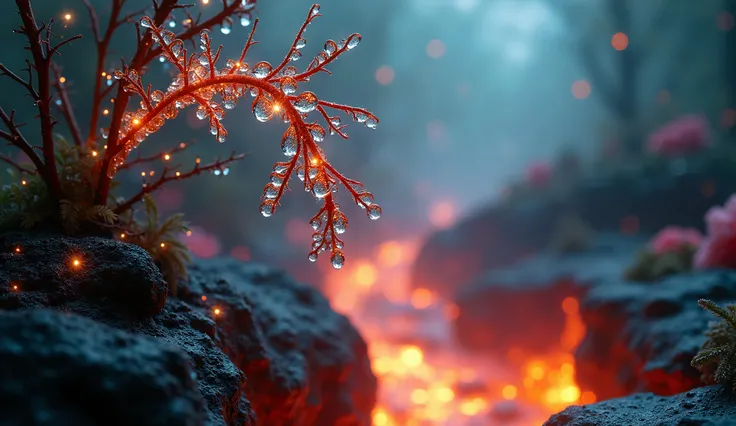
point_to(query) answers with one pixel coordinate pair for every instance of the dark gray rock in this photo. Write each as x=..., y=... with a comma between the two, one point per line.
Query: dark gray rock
x=705, y=406
x=641, y=337
x=499, y=235
x=521, y=306
x=109, y=272
x=62, y=369
x=305, y=363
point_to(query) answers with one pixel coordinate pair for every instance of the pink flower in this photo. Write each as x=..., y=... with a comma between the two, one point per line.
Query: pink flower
x=718, y=249
x=674, y=238
x=538, y=174
x=684, y=135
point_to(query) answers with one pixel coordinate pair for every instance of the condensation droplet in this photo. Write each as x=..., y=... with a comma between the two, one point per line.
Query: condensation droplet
x=330, y=47
x=354, y=41
x=289, y=143
x=267, y=208
x=300, y=43
x=306, y=102
x=320, y=187
x=374, y=212
x=261, y=69
x=288, y=85
x=315, y=223
x=262, y=108
x=337, y=260
x=371, y=123
x=312, y=257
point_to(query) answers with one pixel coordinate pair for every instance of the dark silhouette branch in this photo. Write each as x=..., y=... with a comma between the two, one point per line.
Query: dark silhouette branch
x=66, y=106
x=167, y=177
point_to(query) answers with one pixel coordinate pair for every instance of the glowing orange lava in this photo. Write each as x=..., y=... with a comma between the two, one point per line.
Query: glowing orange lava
x=425, y=379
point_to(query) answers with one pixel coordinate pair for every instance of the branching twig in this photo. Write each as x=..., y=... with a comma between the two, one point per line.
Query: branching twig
x=66, y=106
x=17, y=139
x=142, y=160
x=20, y=168
x=162, y=11
x=102, y=44
x=166, y=177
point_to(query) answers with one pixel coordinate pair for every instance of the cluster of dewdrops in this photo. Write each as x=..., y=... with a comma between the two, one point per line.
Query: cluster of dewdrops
x=308, y=160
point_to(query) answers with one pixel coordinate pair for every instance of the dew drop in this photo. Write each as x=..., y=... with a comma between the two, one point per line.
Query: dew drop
x=261, y=69
x=288, y=85
x=262, y=108
x=306, y=102
x=354, y=41
x=312, y=257
x=201, y=113
x=340, y=224
x=222, y=136
x=337, y=260
x=365, y=200
x=290, y=71
x=157, y=96
x=374, y=212
x=315, y=10
x=295, y=55
x=104, y=133
x=335, y=121
x=371, y=123
x=226, y=27
x=267, y=208
x=317, y=132
x=315, y=223
x=300, y=174
x=300, y=43
x=146, y=22
x=271, y=192
x=246, y=19
x=320, y=187
x=289, y=143
x=330, y=47
x=361, y=117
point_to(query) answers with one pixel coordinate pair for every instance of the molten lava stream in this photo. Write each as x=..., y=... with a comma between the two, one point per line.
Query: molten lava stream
x=425, y=378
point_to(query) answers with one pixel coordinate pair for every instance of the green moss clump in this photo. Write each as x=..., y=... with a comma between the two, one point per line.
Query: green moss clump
x=717, y=356
x=25, y=204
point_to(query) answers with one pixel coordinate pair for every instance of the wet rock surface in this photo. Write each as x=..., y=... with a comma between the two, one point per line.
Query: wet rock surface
x=59, y=368
x=705, y=406
x=305, y=363
x=641, y=337
x=521, y=306
x=501, y=234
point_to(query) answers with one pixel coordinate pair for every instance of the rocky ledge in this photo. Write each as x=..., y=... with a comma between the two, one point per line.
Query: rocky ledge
x=304, y=363
x=641, y=337
x=705, y=406
x=521, y=306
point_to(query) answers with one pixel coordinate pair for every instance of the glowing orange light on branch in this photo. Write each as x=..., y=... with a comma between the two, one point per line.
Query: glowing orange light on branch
x=76, y=263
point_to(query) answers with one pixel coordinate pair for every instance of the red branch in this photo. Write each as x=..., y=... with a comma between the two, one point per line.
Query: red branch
x=162, y=11
x=166, y=177
x=66, y=106
x=142, y=160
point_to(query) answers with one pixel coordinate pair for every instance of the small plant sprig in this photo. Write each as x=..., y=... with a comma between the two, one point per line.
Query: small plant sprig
x=69, y=185
x=200, y=82
x=717, y=356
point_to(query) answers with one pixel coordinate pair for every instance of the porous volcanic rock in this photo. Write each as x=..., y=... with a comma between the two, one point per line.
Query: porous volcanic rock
x=645, y=199
x=305, y=363
x=121, y=277
x=641, y=336
x=705, y=406
x=521, y=306
x=41, y=274
x=59, y=368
